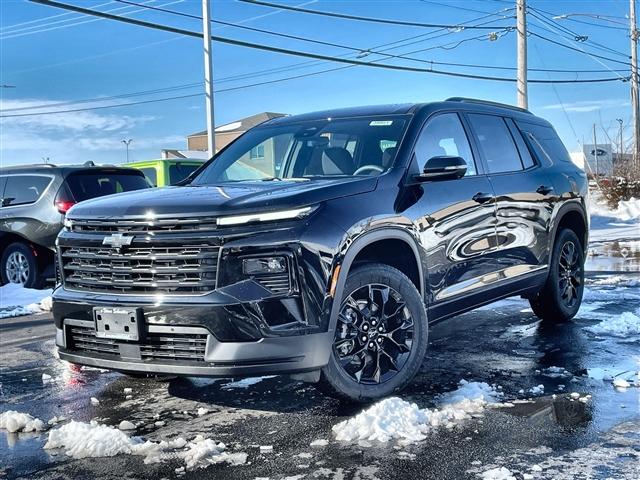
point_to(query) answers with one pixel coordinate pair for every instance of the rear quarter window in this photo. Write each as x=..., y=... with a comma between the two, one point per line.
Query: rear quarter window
x=179, y=172
x=24, y=189
x=545, y=141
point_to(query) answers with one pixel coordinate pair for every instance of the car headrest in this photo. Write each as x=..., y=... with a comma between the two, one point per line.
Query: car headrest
x=337, y=161
x=388, y=155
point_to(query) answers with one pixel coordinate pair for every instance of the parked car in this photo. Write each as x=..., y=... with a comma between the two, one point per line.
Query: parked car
x=324, y=245
x=35, y=199
x=161, y=173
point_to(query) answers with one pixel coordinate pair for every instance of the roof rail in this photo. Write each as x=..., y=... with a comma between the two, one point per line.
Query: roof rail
x=31, y=165
x=489, y=103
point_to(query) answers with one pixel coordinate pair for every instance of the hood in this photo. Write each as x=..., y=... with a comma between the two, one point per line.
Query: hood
x=222, y=199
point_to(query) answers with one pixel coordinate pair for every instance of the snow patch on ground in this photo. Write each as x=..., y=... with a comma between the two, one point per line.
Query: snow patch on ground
x=394, y=418
x=13, y=421
x=500, y=473
x=245, y=382
x=85, y=440
x=15, y=300
x=624, y=325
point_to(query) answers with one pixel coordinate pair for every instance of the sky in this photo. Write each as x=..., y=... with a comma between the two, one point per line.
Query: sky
x=49, y=58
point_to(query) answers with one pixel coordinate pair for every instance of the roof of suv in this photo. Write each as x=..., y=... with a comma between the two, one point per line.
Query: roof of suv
x=61, y=169
x=455, y=103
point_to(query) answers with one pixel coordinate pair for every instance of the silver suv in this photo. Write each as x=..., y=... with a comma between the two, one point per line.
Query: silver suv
x=34, y=200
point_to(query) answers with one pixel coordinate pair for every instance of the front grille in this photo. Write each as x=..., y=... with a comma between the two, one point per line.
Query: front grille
x=154, y=346
x=277, y=283
x=143, y=225
x=179, y=269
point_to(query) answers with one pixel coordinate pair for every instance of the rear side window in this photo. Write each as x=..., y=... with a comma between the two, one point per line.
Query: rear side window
x=151, y=174
x=547, y=141
x=178, y=172
x=495, y=143
x=525, y=154
x=91, y=184
x=24, y=189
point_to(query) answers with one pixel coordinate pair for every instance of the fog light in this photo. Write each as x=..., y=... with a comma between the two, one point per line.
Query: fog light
x=264, y=266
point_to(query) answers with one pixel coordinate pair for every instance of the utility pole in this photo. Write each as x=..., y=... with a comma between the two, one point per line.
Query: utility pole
x=126, y=144
x=621, y=145
x=208, y=77
x=523, y=96
x=595, y=149
x=635, y=101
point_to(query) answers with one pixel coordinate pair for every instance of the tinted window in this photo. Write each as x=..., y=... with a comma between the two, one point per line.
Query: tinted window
x=495, y=143
x=90, y=184
x=525, y=154
x=547, y=140
x=444, y=135
x=151, y=174
x=24, y=189
x=179, y=172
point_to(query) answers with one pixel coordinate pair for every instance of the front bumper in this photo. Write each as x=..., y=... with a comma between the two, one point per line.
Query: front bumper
x=213, y=335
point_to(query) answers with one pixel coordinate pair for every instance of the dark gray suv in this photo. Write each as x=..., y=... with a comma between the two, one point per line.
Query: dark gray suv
x=34, y=201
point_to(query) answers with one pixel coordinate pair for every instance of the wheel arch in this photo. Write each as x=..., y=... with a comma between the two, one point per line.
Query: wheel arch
x=571, y=215
x=372, y=243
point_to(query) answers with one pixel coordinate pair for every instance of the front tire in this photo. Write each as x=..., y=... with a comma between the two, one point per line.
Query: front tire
x=560, y=298
x=20, y=266
x=381, y=335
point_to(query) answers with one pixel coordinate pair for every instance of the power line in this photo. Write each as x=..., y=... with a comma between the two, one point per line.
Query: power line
x=457, y=7
x=547, y=39
x=574, y=36
x=358, y=18
x=304, y=54
x=29, y=22
x=74, y=22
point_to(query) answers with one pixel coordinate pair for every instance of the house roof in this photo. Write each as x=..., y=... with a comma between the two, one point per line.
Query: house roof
x=242, y=125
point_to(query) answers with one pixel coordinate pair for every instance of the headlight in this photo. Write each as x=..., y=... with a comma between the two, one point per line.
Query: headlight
x=265, y=217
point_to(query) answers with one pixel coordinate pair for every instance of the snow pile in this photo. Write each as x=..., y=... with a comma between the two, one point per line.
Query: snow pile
x=15, y=300
x=617, y=280
x=624, y=325
x=500, y=473
x=84, y=440
x=394, y=418
x=13, y=421
x=627, y=209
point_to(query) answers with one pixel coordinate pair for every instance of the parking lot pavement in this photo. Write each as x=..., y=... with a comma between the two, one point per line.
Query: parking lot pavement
x=274, y=421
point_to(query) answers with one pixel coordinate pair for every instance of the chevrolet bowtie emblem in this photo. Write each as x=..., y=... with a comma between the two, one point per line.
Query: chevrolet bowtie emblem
x=117, y=241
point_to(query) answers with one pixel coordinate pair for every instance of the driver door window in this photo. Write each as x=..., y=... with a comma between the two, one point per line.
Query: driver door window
x=444, y=135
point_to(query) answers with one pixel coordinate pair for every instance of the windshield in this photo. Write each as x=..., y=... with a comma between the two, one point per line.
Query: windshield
x=321, y=148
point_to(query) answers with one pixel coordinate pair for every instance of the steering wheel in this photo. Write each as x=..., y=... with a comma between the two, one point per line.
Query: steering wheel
x=364, y=168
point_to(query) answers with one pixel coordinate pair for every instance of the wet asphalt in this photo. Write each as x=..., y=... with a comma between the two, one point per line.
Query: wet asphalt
x=502, y=344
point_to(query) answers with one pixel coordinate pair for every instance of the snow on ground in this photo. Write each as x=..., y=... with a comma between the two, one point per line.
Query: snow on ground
x=245, y=382
x=613, y=224
x=13, y=421
x=15, y=300
x=624, y=325
x=500, y=473
x=394, y=418
x=85, y=440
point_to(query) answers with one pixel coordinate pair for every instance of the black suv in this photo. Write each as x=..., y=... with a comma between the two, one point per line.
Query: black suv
x=323, y=245
x=34, y=201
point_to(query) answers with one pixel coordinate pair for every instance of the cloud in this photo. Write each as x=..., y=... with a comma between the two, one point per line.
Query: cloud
x=584, y=106
x=73, y=136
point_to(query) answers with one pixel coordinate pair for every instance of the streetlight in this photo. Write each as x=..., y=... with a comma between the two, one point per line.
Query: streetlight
x=126, y=143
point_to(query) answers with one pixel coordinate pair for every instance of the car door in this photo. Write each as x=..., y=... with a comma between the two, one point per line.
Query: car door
x=455, y=218
x=524, y=194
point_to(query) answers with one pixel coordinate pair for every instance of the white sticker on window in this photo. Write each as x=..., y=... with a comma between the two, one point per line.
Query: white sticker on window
x=380, y=123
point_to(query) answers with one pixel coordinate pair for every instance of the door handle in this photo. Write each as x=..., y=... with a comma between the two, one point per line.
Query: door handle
x=481, y=197
x=544, y=189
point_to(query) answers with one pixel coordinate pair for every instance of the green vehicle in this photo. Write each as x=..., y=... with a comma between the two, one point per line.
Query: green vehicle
x=161, y=173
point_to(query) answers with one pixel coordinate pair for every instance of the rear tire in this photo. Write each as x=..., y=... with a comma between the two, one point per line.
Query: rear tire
x=19, y=265
x=381, y=335
x=560, y=298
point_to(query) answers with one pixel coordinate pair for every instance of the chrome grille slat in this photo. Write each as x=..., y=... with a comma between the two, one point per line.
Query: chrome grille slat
x=276, y=283
x=144, y=225
x=141, y=269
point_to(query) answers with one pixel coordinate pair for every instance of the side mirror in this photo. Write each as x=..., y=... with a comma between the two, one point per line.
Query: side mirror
x=443, y=168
